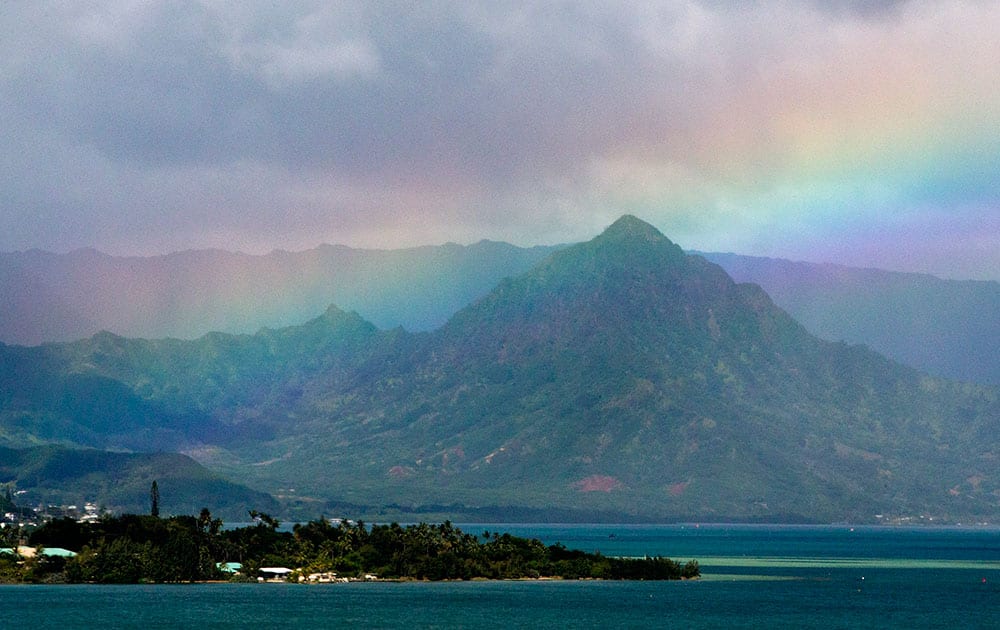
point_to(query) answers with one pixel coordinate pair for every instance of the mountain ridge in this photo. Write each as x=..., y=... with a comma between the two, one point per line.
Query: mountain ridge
x=944, y=327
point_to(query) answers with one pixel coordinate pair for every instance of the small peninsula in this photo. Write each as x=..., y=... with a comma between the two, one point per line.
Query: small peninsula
x=148, y=549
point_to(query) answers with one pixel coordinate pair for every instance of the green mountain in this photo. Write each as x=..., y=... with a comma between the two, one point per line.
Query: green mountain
x=618, y=376
x=621, y=374
x=53, y=475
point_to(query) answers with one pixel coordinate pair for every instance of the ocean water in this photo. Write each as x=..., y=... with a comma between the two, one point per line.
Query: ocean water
x=753, y=577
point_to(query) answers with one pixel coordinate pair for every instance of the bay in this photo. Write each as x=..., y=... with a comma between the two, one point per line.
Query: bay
x=753, y=576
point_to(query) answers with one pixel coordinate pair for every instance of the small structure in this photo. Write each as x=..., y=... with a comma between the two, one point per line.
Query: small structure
x=232, y=568
x=31, y=552
x=326, y=577
x=91, y=513
x=273, y=574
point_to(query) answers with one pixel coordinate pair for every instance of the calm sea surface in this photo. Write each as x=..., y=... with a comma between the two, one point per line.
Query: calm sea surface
x=753, y=577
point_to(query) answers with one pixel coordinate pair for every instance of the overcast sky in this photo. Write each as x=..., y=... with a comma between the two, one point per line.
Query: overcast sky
x=864, y=133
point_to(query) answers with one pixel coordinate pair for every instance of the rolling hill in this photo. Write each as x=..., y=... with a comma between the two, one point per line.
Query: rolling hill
x=120, y=482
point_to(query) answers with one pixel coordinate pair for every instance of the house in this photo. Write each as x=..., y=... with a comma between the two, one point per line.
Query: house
x=48, y=552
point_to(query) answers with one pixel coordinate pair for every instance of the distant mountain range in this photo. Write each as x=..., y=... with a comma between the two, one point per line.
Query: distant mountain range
x=53, y=297
x=618, y=376
x=947, y=328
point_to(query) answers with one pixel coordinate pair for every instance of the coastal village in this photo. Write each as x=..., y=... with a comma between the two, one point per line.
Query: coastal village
x=16, y=522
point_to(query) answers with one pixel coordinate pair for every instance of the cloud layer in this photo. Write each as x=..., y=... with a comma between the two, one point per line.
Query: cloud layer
x=856, y=132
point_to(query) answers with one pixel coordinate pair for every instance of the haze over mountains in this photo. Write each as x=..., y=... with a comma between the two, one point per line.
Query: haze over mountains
x=618, y=376
x=947, y=328
x=52, y=297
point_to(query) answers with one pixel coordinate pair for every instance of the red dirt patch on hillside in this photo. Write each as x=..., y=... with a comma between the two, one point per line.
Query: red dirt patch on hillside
x=399, y=472
x=677, y=489
x=597, y=483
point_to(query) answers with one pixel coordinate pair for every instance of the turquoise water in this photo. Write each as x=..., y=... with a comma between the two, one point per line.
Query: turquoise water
x=777, y=577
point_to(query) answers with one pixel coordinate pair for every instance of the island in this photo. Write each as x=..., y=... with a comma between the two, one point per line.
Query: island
x=134, y=548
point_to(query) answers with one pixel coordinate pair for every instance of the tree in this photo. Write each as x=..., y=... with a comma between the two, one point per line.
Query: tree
x=264, y=519
x=10, y=537
x=7, y=499
x=209, y=526
x=154, y=500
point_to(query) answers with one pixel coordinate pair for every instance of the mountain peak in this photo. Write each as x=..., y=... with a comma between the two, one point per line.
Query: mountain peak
x=633, y=235
x=632, y=227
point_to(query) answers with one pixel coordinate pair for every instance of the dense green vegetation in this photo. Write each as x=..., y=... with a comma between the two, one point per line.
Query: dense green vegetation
x=132, y=549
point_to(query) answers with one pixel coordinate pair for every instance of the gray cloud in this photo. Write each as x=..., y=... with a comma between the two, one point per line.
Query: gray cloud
x=149, y=126
x=182, y=84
